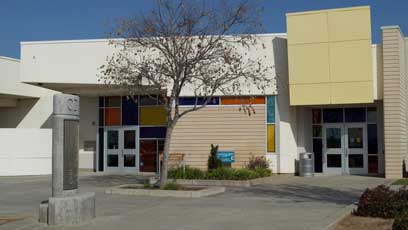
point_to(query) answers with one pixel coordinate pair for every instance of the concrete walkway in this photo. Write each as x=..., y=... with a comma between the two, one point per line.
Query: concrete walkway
x=285, y=203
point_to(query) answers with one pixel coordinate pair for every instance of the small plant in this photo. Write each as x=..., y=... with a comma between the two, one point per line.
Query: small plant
x=213, y=161
x=257, y=162
x=173, y=186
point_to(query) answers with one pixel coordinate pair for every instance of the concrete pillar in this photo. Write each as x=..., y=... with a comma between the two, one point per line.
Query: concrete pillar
x=66, y=206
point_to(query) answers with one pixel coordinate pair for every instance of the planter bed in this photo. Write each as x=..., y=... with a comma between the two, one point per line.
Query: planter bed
x=188, y=192
x=352, y=222
x=233, y=183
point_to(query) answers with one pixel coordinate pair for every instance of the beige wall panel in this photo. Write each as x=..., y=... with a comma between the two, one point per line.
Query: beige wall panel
x=307, y=28
x=310, y=94
x=343, y=54
x=351, y=61
x=226, y=126
x=352, y=92
x=345, y=25
x=309, y=63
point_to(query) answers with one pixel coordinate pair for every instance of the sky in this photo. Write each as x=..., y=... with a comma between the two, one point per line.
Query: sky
x=36, y=20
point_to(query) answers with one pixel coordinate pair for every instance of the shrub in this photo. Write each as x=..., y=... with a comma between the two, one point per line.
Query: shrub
x=257, y=162
x=401, y=221
x=382, y=202
x=173, y=186
x=213, y=161
x=220, y=174
x=262, y=172
x=190, y=173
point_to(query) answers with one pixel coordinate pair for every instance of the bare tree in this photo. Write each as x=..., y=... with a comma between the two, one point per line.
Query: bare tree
x=201, y=48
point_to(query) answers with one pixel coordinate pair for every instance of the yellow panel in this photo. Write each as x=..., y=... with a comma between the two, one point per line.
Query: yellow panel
x=271, y=139
x=310, y=94
x=152, y=115
x=349, y=24
x=351, y=61
x=307, y=28
x=309, y=63
x=353, y=92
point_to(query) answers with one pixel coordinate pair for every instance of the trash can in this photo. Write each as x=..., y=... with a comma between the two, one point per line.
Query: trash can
x=306, y=168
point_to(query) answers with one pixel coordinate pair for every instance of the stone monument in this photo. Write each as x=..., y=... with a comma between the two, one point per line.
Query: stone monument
x=66, y=206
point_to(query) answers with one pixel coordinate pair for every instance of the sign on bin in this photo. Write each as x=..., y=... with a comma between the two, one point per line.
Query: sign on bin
x=226, y=156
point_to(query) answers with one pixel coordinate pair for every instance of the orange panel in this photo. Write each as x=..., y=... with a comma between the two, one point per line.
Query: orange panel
x=112, y=116
x=242, y=100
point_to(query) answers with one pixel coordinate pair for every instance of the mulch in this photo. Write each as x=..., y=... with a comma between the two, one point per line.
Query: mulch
x=352, y=222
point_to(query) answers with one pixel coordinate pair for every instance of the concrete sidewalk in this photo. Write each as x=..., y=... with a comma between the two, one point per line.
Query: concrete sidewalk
x=285, y=203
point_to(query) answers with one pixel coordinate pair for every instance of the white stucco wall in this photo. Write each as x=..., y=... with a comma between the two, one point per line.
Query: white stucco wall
x=10, y=84
x=25, y=152
x=88, y=124
x=24, y=105
x=75, y=63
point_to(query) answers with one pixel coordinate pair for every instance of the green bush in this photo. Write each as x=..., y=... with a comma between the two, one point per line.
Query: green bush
x=190, y=173
x=262, y=172
x=221, y=173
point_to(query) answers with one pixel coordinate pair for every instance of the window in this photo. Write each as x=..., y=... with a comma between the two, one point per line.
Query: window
x=270, y=120
x=333, y=138
x=333, y=160
x=355, y=114
x=333, y=115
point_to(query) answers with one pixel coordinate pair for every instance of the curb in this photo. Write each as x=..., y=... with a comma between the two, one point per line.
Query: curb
x=340, y=216
x=138, y=190
x=228, y=183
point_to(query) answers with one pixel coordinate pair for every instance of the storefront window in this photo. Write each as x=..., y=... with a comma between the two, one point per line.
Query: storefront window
x=333, y=115
x=355, y=114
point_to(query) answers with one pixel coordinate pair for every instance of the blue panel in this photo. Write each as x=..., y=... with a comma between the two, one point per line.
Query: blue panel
x=130, y=114
x=270, y=106
x=200, y=101
x=226, y=156
x=152, y=132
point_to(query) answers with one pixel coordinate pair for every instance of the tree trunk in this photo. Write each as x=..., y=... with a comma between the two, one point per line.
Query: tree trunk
x=164, y=167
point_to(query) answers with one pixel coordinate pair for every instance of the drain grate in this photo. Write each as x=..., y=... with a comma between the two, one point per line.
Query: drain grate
x=8, y=219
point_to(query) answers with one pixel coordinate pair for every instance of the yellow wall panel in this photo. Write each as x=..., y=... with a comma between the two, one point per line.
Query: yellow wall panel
x=271, y=139
x=352, y=92
x=347, y=25
x=309, y=63
x=153, y=115
x=310, y=94
x=308, y=28
x=351, y=61
x=327, y=47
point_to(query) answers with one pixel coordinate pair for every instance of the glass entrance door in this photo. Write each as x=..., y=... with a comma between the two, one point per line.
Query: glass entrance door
x=333, y=149
x=356, y=149
x=122, y=149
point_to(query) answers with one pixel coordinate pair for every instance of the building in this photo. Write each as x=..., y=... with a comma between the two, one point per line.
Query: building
x=338, y=96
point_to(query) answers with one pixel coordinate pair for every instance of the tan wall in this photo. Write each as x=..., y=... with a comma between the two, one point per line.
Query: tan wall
x=395, y=107
x=226, y=126
x=330, y=53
